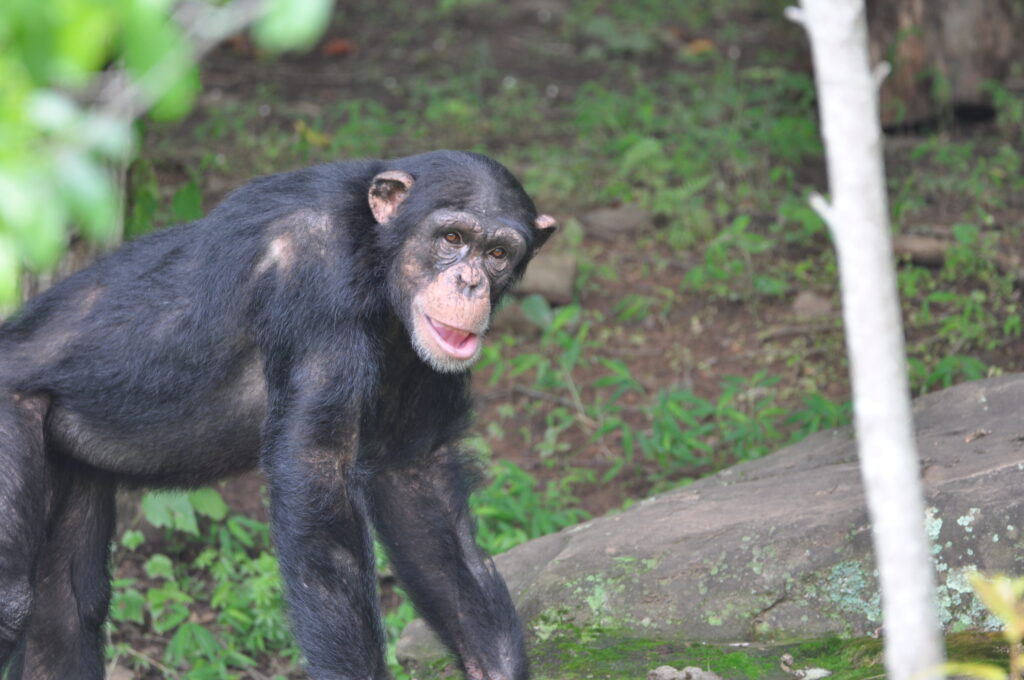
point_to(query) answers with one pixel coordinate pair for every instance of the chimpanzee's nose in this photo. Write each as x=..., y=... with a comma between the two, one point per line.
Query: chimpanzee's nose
x=471, y=280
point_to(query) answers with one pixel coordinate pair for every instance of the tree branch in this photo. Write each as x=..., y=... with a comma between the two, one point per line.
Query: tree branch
x=203, y=28
x=858, y=220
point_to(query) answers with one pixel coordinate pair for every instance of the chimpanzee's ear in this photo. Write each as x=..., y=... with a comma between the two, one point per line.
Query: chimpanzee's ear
x=387, y=191
x=546, y=226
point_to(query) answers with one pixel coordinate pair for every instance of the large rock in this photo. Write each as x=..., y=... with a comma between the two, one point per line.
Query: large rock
x=610, y=223
x=780, y=548
x=551, y=275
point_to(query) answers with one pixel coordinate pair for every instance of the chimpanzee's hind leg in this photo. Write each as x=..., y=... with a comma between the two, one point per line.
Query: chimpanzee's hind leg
x=23, y=488
x=71, y=580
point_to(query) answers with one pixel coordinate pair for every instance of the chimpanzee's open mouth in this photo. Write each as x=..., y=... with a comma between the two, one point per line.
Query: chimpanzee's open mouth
x=458, y=343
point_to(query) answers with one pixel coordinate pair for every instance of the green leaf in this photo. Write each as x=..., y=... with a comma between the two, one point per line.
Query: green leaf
x=291, y=24
x=128, y=605
x=42, y=237
x=239, y=531
x=155, y=510
x=160, y=59
x=566, y=316
x=10, y=270
x=178, y=99
x=769, y=285
x=168, y=618
x=159, y=566
x=88, y=190
x=82, y=40
x=132, y=539
x=209, y=503
x=170, y=510
x=191, y=640
x=52, y=111
x=642, y=153
x=537, y=310
x=981, y=671
x=187, y=204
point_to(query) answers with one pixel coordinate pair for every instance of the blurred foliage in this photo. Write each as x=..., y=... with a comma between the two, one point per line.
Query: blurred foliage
x=70, y=71
x=1003, y=596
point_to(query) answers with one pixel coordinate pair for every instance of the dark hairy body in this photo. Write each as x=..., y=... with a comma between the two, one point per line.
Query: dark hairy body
x=318, y=324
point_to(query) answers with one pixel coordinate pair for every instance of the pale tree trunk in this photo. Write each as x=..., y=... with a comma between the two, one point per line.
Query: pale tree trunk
x=859, y=223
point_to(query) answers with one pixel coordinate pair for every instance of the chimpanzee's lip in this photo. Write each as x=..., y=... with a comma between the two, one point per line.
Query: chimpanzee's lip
x=457, y=342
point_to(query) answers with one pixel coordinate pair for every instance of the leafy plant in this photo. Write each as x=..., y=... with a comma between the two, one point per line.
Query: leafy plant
x=945, y=372
x=52, y=170
x=728, y=261
x=512, y=508
x=1004, y=597
x=234, y=577
x=176, y=511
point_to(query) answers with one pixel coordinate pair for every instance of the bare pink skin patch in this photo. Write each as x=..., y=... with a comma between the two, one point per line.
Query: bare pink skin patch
x=545, y=222
x=450, y=271
x=448, y=324
x=387, y=192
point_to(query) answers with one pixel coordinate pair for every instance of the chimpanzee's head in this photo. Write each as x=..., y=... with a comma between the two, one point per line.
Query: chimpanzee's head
x=463, y=230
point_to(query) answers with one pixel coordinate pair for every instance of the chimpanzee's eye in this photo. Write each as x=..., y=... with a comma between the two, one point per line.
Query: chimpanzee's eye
x=498, y=253
x=453, y=237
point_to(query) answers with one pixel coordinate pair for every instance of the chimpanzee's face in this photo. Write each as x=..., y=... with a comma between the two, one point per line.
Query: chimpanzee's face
x=454, y=269
x=454, y=266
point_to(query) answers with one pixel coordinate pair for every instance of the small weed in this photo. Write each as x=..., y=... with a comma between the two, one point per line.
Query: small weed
x=512, y=508
x=728, y=268
x=945, y=372
x=1009, y=110
x=686, y=433
x=234, y=578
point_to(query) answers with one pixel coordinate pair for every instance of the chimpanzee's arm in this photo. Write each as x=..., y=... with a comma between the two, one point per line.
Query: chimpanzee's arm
x=421, y=513
x=319, y=517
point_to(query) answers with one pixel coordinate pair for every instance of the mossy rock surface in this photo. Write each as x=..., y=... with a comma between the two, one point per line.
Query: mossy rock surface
x=606, y=655
x=780, y=548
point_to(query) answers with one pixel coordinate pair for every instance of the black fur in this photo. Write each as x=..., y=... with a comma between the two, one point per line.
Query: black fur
x=265, y=333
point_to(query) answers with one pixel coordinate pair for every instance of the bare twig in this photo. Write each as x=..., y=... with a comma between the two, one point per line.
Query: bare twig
x=575, y=404
x=146, y=658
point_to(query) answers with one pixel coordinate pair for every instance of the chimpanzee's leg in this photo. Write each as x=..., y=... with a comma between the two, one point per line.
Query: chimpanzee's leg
x=421, y=513
x=318, y=514
x=323, y=541
x=22, y=512
x=71, y=581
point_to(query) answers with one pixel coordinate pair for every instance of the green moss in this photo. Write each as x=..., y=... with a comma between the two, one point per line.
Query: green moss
x=978, y=647
x=614, y=657
x=604, y=654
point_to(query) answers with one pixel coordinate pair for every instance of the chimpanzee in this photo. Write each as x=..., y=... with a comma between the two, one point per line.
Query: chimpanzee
x=319, y=324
